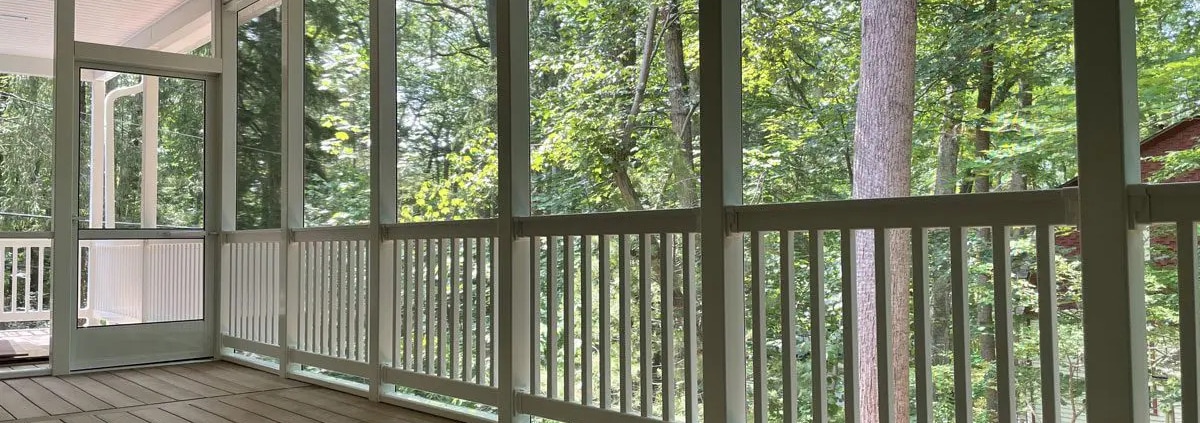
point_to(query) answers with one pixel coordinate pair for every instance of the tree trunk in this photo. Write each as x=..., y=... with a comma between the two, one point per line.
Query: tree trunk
x=948, y=148
x=882, y=168
x=625, y=144
x=1024, y=101
x=984, y=316
x=946, y=184
x=681, y=106
x=987, y=84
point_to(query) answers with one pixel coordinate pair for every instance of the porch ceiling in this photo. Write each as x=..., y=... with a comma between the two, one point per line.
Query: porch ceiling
x=27, y=28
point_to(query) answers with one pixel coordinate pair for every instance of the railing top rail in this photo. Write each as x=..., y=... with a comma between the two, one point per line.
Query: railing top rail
x=470, y=228
x=25, y=242
x=108, y=234
x=1026, y=208
x=26, y=235
x=253, y=236
x=341, y=233
x=1160, y=203
x=651, y=221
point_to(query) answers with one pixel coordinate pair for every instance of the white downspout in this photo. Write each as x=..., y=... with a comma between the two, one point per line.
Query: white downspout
x=96, y=168
x=149, y=152
x=110, y=151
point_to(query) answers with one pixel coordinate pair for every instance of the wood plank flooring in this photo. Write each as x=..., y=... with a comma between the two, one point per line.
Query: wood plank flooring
x=41, y=365
x=215, y=392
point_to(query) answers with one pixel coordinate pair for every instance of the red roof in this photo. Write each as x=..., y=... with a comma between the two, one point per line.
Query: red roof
x=1180, y=136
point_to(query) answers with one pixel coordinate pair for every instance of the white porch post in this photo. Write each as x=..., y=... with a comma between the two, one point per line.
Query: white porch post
x=214, y=179
x=149, y=188
x=291, y=196
x=225, y=39
x=721, y=173
x=383, y=188
x=65, y=302
x=1115, y=322
x=512, y=290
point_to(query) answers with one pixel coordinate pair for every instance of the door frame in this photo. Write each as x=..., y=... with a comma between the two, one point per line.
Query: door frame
x=71, y=57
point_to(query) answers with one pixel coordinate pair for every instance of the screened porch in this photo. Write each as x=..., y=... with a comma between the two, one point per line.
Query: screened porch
x=627, y=211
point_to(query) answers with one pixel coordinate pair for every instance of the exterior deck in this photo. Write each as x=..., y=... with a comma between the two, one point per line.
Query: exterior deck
x=35, y=343
x=202, y=392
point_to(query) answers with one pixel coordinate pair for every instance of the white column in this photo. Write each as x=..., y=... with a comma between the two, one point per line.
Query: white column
x=66, y=187
x=383, y=187
x=291, y=194
x=721, y=171
x=512, y=290
x=1114, y=324
x=214, y=180
x=226, y=34
x=227, y=52
x=149, y=188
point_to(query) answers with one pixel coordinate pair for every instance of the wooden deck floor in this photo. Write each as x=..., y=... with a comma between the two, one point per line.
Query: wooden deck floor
x=199, y=393
x=41, y=365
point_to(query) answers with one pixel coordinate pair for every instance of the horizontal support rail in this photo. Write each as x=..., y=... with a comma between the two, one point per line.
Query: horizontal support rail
x=24, y=316
x=440, y=385
x=25, y=242
x=1026, y=208
x=257, y=235
x=345, y=233
x=1164, y=203
x=475, y=228
x=654, y=221
x=571, y=412
x=336, y=364
x=27, y=235
x=110, y=234
x=425, y=406
x=123, y=57
x=250, y=346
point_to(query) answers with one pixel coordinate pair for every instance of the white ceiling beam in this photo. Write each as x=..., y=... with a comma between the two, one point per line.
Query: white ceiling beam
x=22, y=65
x=182, y=30
x=254, y=8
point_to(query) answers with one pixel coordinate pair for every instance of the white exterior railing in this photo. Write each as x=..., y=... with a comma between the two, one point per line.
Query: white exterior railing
x=121, y=281
x=615, y=302
x=24, y=277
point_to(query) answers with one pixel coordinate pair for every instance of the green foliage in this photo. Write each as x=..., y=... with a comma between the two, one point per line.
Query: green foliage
x=26, y=138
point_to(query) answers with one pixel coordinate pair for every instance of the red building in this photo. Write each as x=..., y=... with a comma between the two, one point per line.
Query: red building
x=1177, y=137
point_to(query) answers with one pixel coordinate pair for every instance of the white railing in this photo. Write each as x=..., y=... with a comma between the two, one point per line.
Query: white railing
x=614, y=332
x=250, y=289
x=1175, y=205
x=121, y=282
x=24, y=277
x=143, y=281
x=443, y=312
x=812, y=235
x=332, y=294
x=615, y=328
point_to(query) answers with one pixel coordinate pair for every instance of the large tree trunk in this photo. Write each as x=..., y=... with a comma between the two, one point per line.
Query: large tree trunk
x=948, y=148
x=983, y=183
x=882, y=163
x=681, y=105
x=946, y=183
x=987, y=84
x=1025, y=101
x=625, y=143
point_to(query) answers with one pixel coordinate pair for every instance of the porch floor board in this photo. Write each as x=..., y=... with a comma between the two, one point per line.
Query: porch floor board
x=217, y=392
